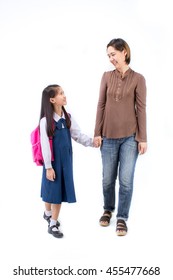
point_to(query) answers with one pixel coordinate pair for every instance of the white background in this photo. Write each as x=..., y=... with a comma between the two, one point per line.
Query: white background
x=64, y=42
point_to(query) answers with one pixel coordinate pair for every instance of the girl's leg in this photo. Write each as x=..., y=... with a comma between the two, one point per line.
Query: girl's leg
x=53, y=227
x=55, y=211
x=48, y=206
x=48, y=213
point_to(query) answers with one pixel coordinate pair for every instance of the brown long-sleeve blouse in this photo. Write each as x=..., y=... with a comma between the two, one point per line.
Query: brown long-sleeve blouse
x=121, y=109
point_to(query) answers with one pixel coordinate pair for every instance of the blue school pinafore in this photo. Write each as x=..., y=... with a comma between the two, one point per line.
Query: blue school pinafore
x=62, y=188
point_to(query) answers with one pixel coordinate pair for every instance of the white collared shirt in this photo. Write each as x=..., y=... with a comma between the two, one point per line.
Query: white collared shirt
x=75, y=132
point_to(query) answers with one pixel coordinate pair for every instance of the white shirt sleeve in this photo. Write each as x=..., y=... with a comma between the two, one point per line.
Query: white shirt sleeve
x=45, y=146
x=78, y=136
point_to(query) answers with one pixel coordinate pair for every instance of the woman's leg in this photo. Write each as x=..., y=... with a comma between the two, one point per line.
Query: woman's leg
x=109, y=152
x=127, y=156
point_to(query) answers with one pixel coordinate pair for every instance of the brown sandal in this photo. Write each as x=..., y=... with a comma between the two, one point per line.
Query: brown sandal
x=105, y=218
x=121, y=229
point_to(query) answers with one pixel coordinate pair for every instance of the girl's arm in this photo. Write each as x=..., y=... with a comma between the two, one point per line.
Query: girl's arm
x=78, y=136
x=45, y=146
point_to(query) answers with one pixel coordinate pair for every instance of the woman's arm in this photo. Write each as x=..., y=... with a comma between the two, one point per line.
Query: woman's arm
x=101, y=107
x=141, y=134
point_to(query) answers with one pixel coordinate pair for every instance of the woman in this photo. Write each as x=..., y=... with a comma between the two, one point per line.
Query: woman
x=120, y=131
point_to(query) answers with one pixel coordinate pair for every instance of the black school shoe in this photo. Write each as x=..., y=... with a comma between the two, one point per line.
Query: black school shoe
x=56, y=233
x=47, y=218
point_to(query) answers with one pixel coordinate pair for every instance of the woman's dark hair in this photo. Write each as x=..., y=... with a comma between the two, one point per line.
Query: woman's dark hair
x=47, y=109
x=120, y=45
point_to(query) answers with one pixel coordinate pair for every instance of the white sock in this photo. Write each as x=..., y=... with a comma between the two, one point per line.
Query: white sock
x=48, y=213
x=53, y=223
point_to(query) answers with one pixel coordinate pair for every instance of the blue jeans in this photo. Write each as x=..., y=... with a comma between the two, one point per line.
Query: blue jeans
x=119, y=158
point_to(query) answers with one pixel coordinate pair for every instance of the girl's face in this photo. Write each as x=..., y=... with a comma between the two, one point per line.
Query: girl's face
x=60, y=98
x=117, y=58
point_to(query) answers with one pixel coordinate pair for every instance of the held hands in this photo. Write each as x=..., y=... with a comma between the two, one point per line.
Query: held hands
x=50, y=174
x=142, y=148
x=97, y=141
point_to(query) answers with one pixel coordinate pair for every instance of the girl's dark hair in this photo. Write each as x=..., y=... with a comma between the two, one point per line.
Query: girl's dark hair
x=47, y=109
x=120, y=45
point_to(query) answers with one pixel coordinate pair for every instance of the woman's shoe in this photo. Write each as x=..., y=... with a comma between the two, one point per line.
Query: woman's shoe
x=121, y=229
x=105, y=218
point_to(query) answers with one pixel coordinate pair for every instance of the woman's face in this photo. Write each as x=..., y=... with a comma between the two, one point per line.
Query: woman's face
x=117, y=58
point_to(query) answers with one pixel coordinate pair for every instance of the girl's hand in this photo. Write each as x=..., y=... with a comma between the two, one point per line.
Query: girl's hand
x=142, y=147
x=50, y=174
x=97, y=141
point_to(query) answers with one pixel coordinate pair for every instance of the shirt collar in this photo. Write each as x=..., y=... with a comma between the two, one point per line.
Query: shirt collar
x=125, y=74
x=56, y=117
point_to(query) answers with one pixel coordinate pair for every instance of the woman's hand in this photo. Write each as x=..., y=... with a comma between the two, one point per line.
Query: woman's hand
x=50, y=174
x=142, y=147
x=97, y=141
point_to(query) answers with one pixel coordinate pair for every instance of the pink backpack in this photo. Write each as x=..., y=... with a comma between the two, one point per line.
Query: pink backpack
x=36, y=147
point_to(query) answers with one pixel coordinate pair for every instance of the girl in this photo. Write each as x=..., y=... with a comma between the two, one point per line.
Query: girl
x=57, y=179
